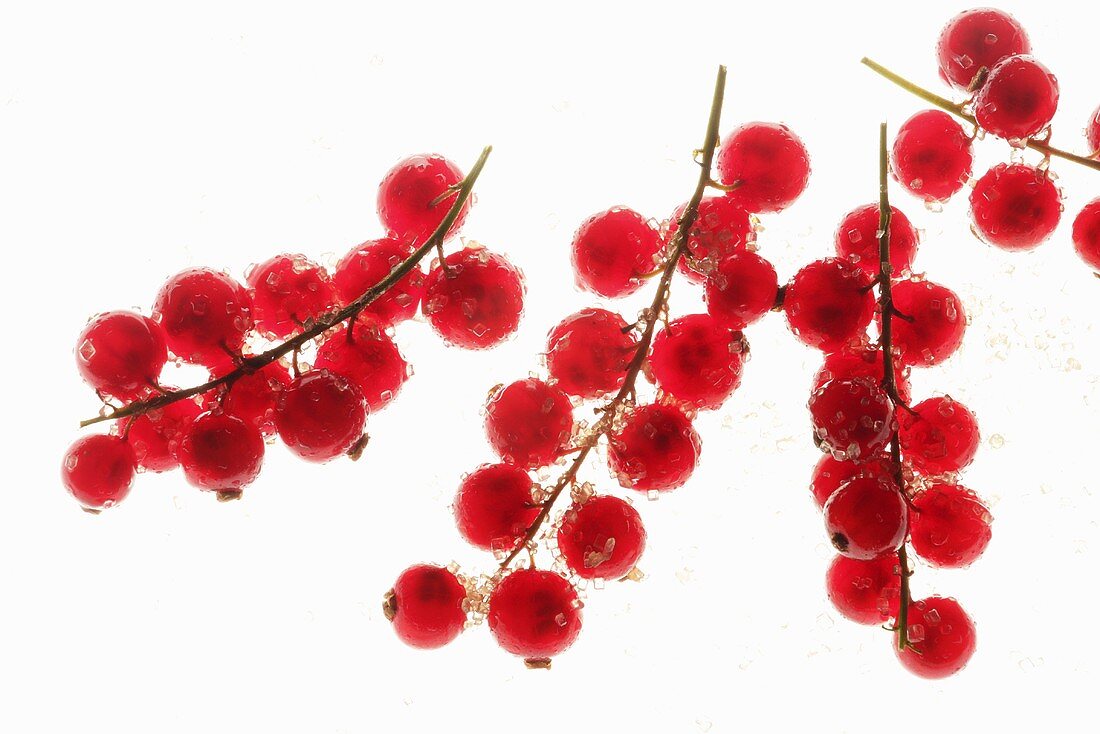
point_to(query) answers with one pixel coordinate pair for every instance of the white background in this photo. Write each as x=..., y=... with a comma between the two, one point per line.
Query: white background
x=137, y=140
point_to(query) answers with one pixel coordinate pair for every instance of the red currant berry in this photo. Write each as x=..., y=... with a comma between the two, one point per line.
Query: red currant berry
x=741, y=289
x=978, y=38
x=221, y=453
x=121, y=354
x=614, y=250
x=425, y=606
x=368, y=357
x=98, y=470
x=831, y=474
x=1086, y=234
x=768, y=163
x=321, y=415
x=1092, y=133
x=932, y=155
x=253, y=397
x=1015, y=207
x=1018, y=99
x=369, y=264
x=587, y=354
x=204, y=314
x=493, y=507
x=721, y=227
x=288, y=291
x=941, y=637
x=534, y=614
x=155, y=436
x=475, y=299
x=414, y=197
x=829, y=303
x=939, y=436
x=931, y=325
x=866, y=518
x=857, y=240
x=852, y=418
x=950, y=527
x=602, y=538
x=529, y=422
x=697, y=360
x=861, y=360
x=867, y=592
x=654, y=448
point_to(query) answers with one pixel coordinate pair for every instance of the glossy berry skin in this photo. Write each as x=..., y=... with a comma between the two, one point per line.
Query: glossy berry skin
x=942, y=636
x=867, y=592
x=205, y=314
x=768, y=162
x=493, y=507
x=321, y=415
x=829, y=303
x=1018, y=99
x=977, y=38
x=950, y=527
x=426, y=604
x=722, y=227
x=857, y=240
x=861, y=360
x=407, y=193
x=1092, y=133
x=852, y=418
x=941, y=437
x=935, y=323
x=98, y=470
x=1015, y=207
x=155, y=436
x=741, y=289
x=587, y=354
x=655, y=448
x=366, y=266
x=1086, y=234
x=612, y=252
x=534, y=614
x=866, y=518
x=529, y=422
x=289, y=290
x=221, y=453
x=830, y=474
x=932, y=156
x=602, y=538
x=475, y=301
x=253, y=398
x=697, y=360
x=121, y=354
x=370, y=359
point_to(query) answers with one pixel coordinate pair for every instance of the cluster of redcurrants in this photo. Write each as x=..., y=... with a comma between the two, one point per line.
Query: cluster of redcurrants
x=473, y=299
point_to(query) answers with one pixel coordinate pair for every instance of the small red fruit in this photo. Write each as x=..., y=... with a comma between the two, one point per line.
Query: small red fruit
x=831, y=474
x=654, y=448
x=768, y=163
x=1086, y=234
x=741, y=289
x=938, y=436
x=866, y=518
x=942, y=638
x=614, y=250
x=221, y=453
x=857, y=240
x=254, y=397
x=1092, y=133
x=861, y=360
x=529, y=423
x=587, y=354
x=414, y=197
x=475, y=299
x=287, y=292
x=121, y=354
x=602, y=538
x=369, y=358
x=697, y=360
x=425, y=606
x=1018, y=99
x=721, y=227
x=829, y=303
x=1015, y=207
x=98, y=470
x=367, y=265
x=852, y=418
x=321, y=415
x=932, y=155
x=977, y=38
x=534, y=614
x=932, y=324
x=205, y=315
x=493, y=507
x=950, y=527
x=155, y=436
x=867, y=592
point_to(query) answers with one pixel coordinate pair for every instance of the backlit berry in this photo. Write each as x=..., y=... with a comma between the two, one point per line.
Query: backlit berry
x=321, y=415
x=867, y=592
x=721, y=227
x=98, y=470
x=830, y=474
x=155, y=436
x=861, y=360
x=613, y=251
x=932, y=155
x=942, y=638
x=931, y=325
x=939, y=436
x=529, y=422
x=287, y=292
x=534, y=614
x=654, y=448
x=121, y=354
x=741, y=289
x=697, y=360
x=1018, y=99
x=1086, y=234
x=367, y=265
x=369, y=358
x=205, y=314
x=1015, y=207
x=493, y=507
x=851, y=418
x=978, y=38
x=950, y=527
x=254, y=397
x=866, y=518
x=602, y=538
x=414, y=197
x=587, y=354
x=857, y=240
x=1092, y=133
x=425, y=606
x=768, y=163
x=475, y=299
x=221, y=453
x=829, y=303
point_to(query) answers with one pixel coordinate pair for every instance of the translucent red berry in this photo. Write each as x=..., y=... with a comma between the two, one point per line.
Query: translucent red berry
x=121, y=354
x=654, y=448
x=940, y=435
x=254, y=397
x=932, y=322
x=529, y=422
x=829, y=303
x=857, y=240
x=155, y=436
x=861, y=360
x=587, y=354
x=474, y=300
x=1018, y=99
x=366, y=266
x=949, y=526
x=932, y=155
x=830, y=474
x=866, y=518
x=741, y=289
x=852, y=418
x=369, y=358
x=697, y=360
x=768, y=163
x=602, y=538
x=1015, y=207
x=1086, y=234
x=534, y=614
x=941, y=638
x=221, y=453
x=722, y=227
x=98, y=470
x=205, y=315
x=415, y=196
x=425, y=606
x=321, y=415
x=287, y=292
x=494, y=508
x=1092, y=133
x=614, y=250
x=867, y=592
x=978, y=38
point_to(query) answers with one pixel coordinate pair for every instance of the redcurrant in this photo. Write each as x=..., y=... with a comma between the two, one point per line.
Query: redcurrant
x=829, y=303
x=932, y=155
x=861, y=360
x=121, y=354
x=98, y=470
x=587, y=354
x=205, y=314
x=852, y=417
x=978, y=38
x=938, y=436
x=941, y=638
x=415, y=196
x=529, y=422
x=1092, y=133
x=493, y=507
x=289, y=291
x=426, y=606
x=155, y=436
x=654, y=448
x=949, y=527
x=1015, y=207
x=321, y=415
x=831, y=474
x=602, y=538
x=1086, y=234
x=857, y=240
x=1018, y=99
x=534, y=614
x=930, y=323
x=697, y=360
x=866, y=518
x=614, y=250
x=474, y=299
x=721, y=227
x=366, y=266
x=767, y=162
x=221, y=453
x=254, y=397
x=365, y=354
x=867, y=592
x=741, y=289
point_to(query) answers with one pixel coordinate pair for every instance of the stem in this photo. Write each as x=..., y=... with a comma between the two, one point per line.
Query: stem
x=960, y=111
x=660, y=300
x=256, y=362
